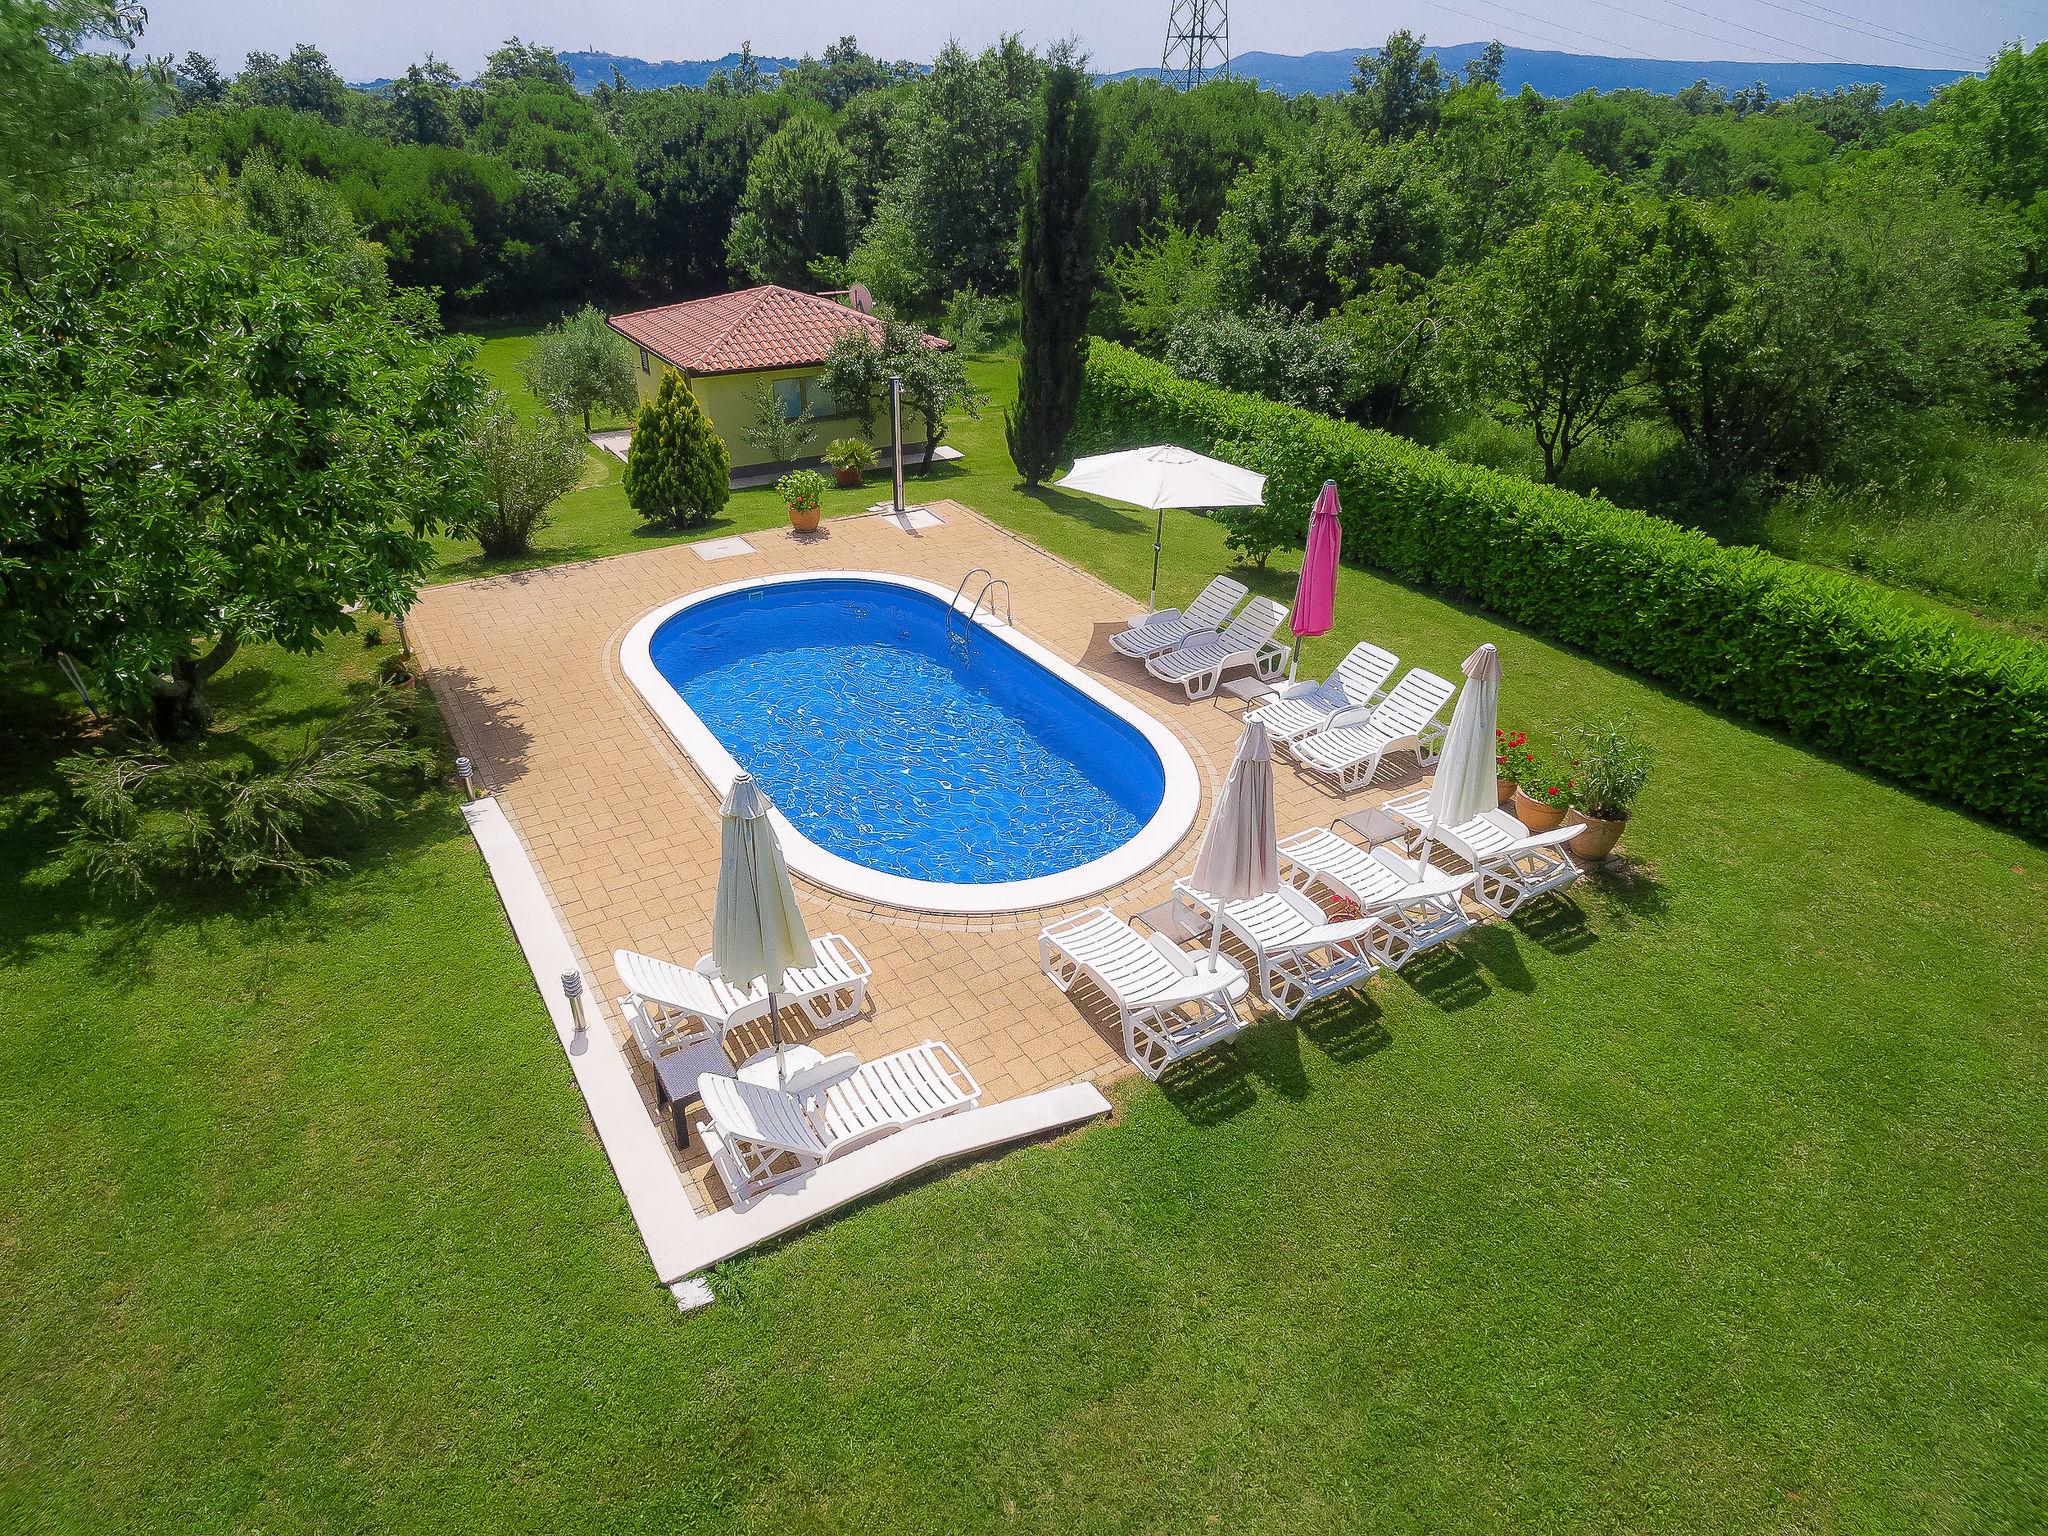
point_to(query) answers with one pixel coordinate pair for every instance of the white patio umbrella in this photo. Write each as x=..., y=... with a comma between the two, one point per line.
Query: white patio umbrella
x=1465, y=769
x=1160, y=477
x=1240, y=853
x=757, y=933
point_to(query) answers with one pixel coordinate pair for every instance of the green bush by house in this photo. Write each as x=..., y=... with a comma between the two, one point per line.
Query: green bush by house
x=1956, y=710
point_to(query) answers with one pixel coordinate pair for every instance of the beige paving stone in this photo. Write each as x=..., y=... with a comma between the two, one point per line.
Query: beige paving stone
x=625, y=831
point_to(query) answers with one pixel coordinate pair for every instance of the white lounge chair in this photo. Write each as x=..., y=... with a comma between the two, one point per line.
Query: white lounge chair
x=1170, y=1005
x=1199, y=662
x=1511, y=864
x=674, y=998
x=1418, y=907
x=1352, y=745
x=1300, y=954
x=1307, y=707
x=759, y=1134
x=1163, y=630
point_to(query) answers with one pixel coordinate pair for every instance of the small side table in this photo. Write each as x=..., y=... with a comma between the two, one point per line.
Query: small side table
x=1250, y=689
x=1176, y=920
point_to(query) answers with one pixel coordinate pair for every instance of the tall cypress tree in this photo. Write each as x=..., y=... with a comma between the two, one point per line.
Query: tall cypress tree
x=1056, y=263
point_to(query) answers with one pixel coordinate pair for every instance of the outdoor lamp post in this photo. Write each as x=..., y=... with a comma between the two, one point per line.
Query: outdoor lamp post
x=572, y=989
x=896, y=436
x=465, y=770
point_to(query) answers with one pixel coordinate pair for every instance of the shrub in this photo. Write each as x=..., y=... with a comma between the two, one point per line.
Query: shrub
x=849, y=453
x=1949, y=707
x=143, y=815
x=971, y=320
x=524, y=467
x=677, y=470
x=774, y=431
x=1609, y=766
x=803, y=489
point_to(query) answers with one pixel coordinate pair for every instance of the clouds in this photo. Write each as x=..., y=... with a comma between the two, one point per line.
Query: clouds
x=370, y=38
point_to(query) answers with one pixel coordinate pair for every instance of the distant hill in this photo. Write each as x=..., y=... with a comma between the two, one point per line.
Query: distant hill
x=1567, y=74
x=595, y=69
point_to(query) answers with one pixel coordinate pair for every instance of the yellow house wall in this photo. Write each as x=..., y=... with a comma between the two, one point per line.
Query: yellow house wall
x=724, y=399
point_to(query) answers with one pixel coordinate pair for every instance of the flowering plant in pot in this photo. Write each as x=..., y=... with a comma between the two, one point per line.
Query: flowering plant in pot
x=1543, y=789
x=1510, y=750
x=850, y=458
x=1610, y=765
x=803, y=489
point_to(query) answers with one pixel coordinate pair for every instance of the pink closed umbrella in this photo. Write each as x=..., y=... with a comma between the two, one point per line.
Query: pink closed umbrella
x=1315, y=599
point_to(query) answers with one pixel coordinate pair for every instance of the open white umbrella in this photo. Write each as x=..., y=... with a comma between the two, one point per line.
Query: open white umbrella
x=1160, y=477
x=757, y=933
x=1465, y=769
x=1240, y=853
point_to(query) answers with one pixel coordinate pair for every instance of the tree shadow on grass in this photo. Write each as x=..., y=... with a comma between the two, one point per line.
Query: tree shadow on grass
x=1634, y=893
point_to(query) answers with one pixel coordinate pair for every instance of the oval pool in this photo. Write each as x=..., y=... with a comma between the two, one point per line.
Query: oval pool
x=913, y=757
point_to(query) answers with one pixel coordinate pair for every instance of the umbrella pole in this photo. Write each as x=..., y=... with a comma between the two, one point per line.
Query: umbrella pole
x=775, y=1028
x=1293, y=660
x=1158, y=538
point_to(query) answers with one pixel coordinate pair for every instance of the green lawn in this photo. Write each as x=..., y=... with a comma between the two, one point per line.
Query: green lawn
x=1715, y=1202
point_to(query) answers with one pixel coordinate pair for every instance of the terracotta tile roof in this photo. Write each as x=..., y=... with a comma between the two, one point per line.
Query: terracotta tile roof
x=766, y=327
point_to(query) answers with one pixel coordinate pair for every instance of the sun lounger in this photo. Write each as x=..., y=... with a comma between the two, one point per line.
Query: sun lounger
x=1199, y=662
x=1300, y=954
x=1352, y=745
x=1170, y=1005
x=1511, y=865
x=759, y=1134
x=695, y=999
x=1163, y=630
x=1308, y=707
x=1418, y=907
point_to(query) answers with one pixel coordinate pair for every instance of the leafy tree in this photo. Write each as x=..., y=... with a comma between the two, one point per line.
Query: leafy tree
x=971, y=320
x=1057, y=259
x=678, y=470
x=305, y=216
x=1555, y=322
x=303, y=81
x=1486, y=68
x=1997, y=128
x=204, y=442
x=580, y=363
x=1158, y=282
x=1169, y=156
x=687, y=155
x=844, y=73
x=517, y=63
x=1304, y=229
x=70, y=117
x=524, y=466
x=773, y=430
x=1397, y=331
x=1489, y=152
x=199, y=81
x=935, y=381
x=1266, y=351
x=1398, y=91
x=797, y=206
x=424, y=103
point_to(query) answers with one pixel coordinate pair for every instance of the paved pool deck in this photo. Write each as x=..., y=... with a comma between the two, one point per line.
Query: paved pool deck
x=624, y=832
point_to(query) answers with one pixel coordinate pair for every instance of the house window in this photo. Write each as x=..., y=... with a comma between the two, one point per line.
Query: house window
x=822, y=403
x=789, y=394
x=643, y=361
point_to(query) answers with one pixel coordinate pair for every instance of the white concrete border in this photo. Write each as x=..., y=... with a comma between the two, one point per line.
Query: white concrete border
x=681, y=1240
x=1153, y=842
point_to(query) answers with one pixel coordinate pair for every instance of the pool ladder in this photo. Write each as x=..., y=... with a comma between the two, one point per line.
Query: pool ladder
x=985, y=593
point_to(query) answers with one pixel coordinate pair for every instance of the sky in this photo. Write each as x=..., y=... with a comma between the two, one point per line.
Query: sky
x=367, y=39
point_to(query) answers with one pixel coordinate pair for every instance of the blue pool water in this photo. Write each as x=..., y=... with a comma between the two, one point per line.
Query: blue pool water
x=900, y=746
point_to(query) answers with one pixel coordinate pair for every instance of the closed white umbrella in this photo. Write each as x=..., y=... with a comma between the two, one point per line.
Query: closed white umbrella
x=1465, y=769
x=1240, y=853
x=757, y=933
x=1160, y=477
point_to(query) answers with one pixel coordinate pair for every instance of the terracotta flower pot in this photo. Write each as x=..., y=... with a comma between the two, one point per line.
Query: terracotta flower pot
x=1503, y=791
x=850, y=475
x=804, y=521
x=1596, y=843
x=1537, y=816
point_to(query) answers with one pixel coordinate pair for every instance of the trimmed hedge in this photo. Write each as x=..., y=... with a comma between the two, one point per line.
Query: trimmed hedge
x=1956, y=710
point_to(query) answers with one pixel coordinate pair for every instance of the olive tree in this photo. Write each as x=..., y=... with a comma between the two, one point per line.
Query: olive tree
x=523, y=468
x=580, y=364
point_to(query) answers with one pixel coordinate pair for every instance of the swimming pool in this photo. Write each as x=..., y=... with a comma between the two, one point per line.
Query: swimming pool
x=913, y=757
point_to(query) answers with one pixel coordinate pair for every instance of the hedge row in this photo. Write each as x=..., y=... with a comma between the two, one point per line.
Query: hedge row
x=1956, y=710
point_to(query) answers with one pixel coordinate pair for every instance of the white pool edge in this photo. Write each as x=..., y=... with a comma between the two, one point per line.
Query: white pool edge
x=1153, y=842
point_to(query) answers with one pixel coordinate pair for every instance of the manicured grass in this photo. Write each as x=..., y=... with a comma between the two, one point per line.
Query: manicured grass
x=1714, y=1201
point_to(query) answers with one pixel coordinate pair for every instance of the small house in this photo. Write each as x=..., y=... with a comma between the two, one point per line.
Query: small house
x=727, y=345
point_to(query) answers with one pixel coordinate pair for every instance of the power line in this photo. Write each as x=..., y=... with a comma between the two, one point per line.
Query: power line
x=1540, y=21
x=1679, y=26
x=1729, y=21
x=1848, y=24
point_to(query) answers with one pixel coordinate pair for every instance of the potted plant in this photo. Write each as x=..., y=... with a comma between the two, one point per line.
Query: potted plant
x=1543, y=789
x=849, y=458
x=1510, y=750
x=1609, y=765
x=803, y=489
